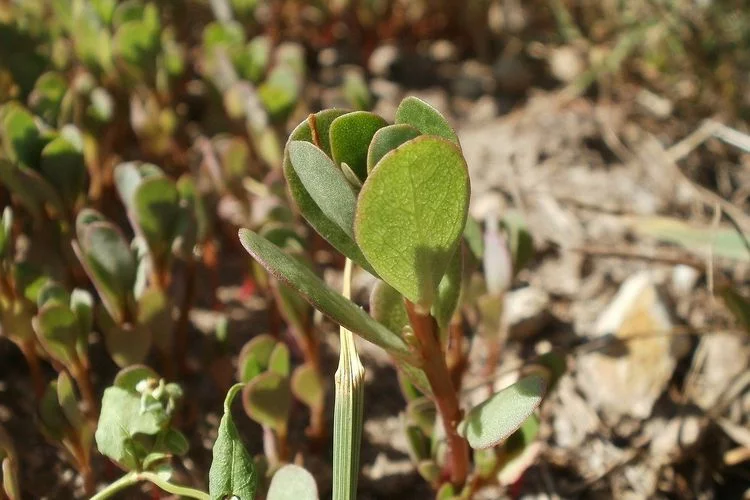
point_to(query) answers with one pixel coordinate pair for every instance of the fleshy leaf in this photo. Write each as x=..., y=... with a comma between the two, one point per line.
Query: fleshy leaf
x=320, y=295
x=279, y=361
x=505, y=411
x=232, y=473
x=62, y=164
x=109, y=262
x=420, y=115
x=128, y=378
x=307, y=206
x=121, y=419
x=254, y=357
x=324, y=183
x=21, y=137
x=156, y=207
x=387, y=307
x=350, y=137
x=292, y=482
x=411, y=214
x=387, y=139
x=307, y=386
x=449, y=290
x=268, y=400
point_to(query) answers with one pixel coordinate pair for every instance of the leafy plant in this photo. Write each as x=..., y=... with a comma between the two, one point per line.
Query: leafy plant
x=401, y=216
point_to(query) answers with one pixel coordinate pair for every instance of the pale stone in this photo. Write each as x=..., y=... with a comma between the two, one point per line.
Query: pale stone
x=627, y=380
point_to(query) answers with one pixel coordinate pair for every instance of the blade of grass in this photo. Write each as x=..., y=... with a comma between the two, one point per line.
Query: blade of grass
x=348, y=410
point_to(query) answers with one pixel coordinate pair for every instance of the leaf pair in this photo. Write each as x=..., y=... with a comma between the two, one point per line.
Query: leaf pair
x=264, y=366
x=63, y=323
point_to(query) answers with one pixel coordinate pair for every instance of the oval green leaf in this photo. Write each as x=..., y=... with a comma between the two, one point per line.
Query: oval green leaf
x=268, y=400
x=387, y=139
x=350, y=138
x=411, y=214
x=420, y=115
x=503, y=413
x=292, y=482
x=324, y=183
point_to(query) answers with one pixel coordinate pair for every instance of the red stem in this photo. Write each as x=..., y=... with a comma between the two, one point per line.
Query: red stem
x=426, y=331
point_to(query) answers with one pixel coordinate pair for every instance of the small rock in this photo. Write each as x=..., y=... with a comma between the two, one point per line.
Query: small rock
x=670, y=440
x=627, y=380
x=328, y=57
x=473, y=80
x=525, y=312
x=443, y=51
x=513, y=75
x=565, y=63
x=659, y=106
x=483, y=110
x=684, y=279
x=723, y=357
x=382, y=60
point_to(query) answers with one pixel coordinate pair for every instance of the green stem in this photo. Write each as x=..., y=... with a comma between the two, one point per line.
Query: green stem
x=348, y=411
x=132, y=478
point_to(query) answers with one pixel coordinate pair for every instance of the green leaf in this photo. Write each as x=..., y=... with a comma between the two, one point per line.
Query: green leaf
x=505, y=411
x=387, y=307
x=387, y=139
x=31, y=188
x=68, y=402
x=279, y=361
x=6, y=232
x=52, y=291
x=47, y=95
x=232, y=473
x=51, y=413
x=449, y=290
x=350, y=137
x=411, y=214
x=254, y=357
x=64, y=167
x=268, y=400
x=307, y=386
x=279, y=92
x=120, y=421
x=324, y=183
x=307, y=206
x=136, y=43
x=420, y=115
x=328, y=301
x=156, y=206
x=154, y=315
x=128, y=378
x=292, y=482
x=82, y=305
x=21, y=138
x=722, y=242
x=128, y=343
x=109, y=262
x=58, y=330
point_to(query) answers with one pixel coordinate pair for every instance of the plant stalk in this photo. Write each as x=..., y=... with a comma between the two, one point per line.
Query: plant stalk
x=183, y=321
x=134, y=477
x=426, y=331
x=83, y=380
x=37, y=378
x=348, y=411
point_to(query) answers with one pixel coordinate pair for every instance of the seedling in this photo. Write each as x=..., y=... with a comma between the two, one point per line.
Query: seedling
x=395, y=202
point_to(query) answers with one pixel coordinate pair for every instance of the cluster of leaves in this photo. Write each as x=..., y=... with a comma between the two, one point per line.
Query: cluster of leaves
x=128, y=151
x=394, y=200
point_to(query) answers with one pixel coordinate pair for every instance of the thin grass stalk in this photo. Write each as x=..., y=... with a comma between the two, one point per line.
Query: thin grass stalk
x=348, y=411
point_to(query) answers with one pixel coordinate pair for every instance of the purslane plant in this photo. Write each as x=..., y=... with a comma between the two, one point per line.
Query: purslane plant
x=394, y=199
